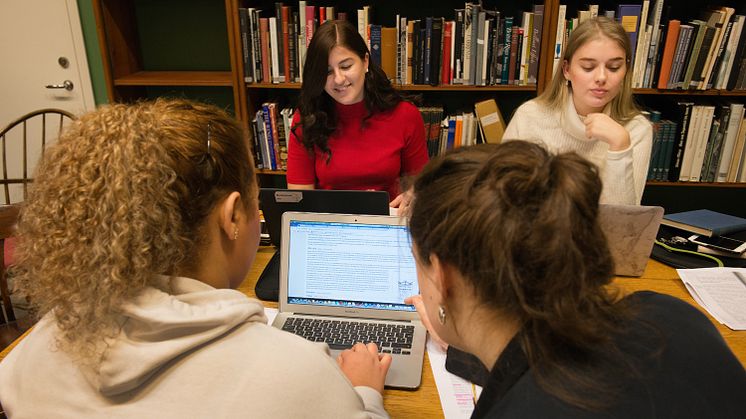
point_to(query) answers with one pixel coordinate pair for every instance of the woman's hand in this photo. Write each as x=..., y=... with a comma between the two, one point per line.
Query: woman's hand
x=416, y=301
x=402, y=203
x=602, y=127
x=363, y=366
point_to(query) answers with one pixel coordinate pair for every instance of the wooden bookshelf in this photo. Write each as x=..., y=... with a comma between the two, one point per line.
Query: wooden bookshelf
x=128, y=29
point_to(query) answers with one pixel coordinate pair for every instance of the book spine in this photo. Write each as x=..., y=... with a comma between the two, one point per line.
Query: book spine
x=515, y=34
x=467, y=44
x=533, y=63
x=428, y=49
x=266, y=115
x=458, y=50
x=243, y=20
x=301, y=38
x=668, y=52
x=475, y=9
x=266, y=53
x=410, y=51
x=436, y=46
x=560, y=35
x=507, y=40
x=285, y=11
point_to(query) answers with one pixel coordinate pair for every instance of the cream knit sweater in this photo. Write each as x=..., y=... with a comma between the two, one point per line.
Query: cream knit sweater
x=623, y=173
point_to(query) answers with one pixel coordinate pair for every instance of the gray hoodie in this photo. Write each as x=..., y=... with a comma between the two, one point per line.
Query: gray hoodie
x=194, y=352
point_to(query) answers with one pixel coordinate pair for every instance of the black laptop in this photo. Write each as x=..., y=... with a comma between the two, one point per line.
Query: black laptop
x=275, y=202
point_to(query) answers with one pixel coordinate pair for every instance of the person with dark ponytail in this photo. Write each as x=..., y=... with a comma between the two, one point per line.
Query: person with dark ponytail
x=353, y=129
x=513, y=267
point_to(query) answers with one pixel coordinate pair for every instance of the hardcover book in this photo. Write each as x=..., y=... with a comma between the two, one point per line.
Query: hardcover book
x=705, y=222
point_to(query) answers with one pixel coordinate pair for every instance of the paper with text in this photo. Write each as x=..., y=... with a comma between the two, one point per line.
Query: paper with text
x=719, y=291
x=457, y=396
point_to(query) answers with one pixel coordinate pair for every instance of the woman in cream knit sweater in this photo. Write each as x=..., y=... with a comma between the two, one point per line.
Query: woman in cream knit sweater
x=588, y=108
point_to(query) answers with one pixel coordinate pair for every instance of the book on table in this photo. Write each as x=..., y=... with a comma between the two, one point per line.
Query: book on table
x=705, y=222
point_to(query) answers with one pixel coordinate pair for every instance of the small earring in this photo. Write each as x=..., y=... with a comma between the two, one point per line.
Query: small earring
x=567, y=82
x=442, y=315
x=366, y=70
x=235, y=233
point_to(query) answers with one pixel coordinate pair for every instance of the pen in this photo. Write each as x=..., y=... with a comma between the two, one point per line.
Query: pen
x=740, y=278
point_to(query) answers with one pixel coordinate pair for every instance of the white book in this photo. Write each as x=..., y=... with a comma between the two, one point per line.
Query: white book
x=691, y=138
x=522, y=76
x=727, y=13
x=640, y=41
x=559, y=36
x=704, y=135
x=301, y=38
x=486, y=51
x=273, y=47
x=361, y=22
x=731, y=132
x=730, y=52
x=653, y=46
x=593, y=9
x=467, y=45
x=583, y=15
x=642, y=54
x=737, y=159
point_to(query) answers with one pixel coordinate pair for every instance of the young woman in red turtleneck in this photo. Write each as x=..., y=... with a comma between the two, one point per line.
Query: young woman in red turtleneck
x=353, y=130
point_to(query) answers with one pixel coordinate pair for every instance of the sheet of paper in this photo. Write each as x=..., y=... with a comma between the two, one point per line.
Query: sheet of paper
x=720, y=292
x=457, y=396
x=271, y=313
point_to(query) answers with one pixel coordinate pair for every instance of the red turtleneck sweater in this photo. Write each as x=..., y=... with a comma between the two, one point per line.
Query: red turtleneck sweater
x=389, y=145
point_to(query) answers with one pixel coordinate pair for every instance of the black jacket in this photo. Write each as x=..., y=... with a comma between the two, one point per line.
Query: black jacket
x=693, y=373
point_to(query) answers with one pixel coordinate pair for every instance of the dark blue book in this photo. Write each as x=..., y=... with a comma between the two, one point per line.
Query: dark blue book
x=375, y=44
x=705, y=222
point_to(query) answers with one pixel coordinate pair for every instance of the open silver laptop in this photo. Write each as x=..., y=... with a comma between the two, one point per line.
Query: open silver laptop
x=630, y=231
x=349, y=273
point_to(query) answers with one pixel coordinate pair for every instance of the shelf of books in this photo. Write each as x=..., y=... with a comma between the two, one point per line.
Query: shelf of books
x=689, y=74
x=682, y=56
x=453, y=55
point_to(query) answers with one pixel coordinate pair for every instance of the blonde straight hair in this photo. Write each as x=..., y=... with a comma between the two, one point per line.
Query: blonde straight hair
x=623, y=107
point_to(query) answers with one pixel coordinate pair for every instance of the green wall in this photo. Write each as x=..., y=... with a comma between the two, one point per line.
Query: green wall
x=93, y=53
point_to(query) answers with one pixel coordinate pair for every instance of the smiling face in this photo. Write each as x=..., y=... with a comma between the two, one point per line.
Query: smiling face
x=345, y=80
x=596, y=73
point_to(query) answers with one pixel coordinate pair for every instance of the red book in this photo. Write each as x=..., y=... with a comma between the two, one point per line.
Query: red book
x=322, y=15
x=285, y=39
x=445, y=74
x=310, y=22
x=266, y=57
x=672, y=38
x=513, y=54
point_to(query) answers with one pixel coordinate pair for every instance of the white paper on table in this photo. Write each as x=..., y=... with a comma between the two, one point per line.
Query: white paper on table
x=271, y=313
x=457, y=395
x=720, y=292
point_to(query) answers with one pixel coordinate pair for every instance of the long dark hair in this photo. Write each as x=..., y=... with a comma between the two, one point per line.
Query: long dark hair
x=318, y=116
x=521, y=226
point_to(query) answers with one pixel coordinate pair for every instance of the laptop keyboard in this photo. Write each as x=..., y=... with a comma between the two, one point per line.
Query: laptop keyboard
x=342, y=334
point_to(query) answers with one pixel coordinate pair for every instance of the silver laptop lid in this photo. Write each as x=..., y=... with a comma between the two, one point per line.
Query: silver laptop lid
x=347, y=265
x=630, y=231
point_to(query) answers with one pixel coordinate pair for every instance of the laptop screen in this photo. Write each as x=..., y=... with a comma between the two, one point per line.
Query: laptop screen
x=367, y=266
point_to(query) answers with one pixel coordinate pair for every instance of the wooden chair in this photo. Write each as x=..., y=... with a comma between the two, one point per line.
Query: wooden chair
x=27, y=137
x=22, y=143
x=8, y=218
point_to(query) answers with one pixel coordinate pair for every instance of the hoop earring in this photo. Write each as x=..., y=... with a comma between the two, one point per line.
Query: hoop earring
x=442, y=315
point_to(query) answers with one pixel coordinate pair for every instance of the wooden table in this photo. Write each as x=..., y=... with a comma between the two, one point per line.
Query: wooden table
x=424, y=402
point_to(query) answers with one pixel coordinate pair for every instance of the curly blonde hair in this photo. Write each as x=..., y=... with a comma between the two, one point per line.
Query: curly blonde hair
x=120, y=197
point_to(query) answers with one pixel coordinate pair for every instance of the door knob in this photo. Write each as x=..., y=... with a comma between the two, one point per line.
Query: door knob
x=67, y=85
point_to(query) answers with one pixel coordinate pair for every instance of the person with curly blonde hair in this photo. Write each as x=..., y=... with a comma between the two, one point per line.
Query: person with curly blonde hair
x=141, y=221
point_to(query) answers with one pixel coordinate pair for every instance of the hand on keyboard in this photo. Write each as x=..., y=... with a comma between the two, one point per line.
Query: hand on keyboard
x=364, y=366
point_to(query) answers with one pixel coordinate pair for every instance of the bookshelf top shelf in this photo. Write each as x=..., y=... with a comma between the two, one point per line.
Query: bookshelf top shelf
x=176, y=78
x=413, y=87
x=699, y=184
x=709, y=92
